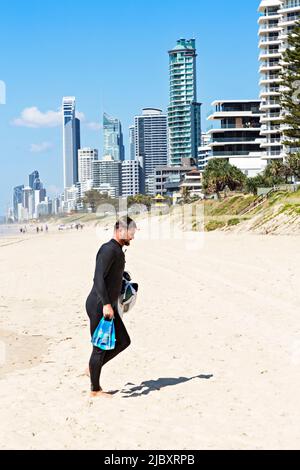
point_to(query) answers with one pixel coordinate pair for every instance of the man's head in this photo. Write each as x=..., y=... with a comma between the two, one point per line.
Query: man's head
x=124, y=231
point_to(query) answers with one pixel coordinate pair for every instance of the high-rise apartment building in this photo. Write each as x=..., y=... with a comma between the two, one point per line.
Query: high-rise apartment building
x=277, y=20
x=151, y=139
x=184, y=112
x=86, y=157
x=108, y=173
x=131, y=178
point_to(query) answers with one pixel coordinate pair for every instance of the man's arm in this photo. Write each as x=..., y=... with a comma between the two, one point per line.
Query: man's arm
x=105, y=259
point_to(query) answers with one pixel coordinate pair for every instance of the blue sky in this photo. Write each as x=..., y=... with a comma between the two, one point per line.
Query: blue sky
x=113, y=57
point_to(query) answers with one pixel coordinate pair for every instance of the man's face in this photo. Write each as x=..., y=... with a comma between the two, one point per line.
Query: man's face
x=127, y=235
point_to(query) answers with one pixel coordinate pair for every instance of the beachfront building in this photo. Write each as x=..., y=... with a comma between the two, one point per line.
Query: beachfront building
x=204, y=151
x=184, y=112
x=56, y=206
x=237, y=138
x=83, y=187
x=151, y=139
x=44, y=208
x=70, y=198
x=113, y=138
x=192, y=183
x=107, y=173
x=168, y=178
x=277, y=20
x=132, y=180
x=71, y=141
x=86, y=157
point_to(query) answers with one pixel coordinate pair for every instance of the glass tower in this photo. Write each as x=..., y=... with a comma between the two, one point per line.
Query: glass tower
x=32, y=178
x=71, y=142
x=17, y=199
x=184, y=111
x=113, y=138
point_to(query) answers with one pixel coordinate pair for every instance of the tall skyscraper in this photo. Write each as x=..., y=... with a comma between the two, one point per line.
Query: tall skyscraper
x=277, y=20
x=35, y=182
x=32, y=178
x=86, y=157
x=113, y=138
x=184, y=113
x=131, y=143
x=17, y=199
x=151, y=139
x=71, y=141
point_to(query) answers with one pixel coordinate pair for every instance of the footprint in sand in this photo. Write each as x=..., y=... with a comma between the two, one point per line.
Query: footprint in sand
x=19, y=352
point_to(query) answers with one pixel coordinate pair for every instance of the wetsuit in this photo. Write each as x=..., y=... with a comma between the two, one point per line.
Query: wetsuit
x=110, y=263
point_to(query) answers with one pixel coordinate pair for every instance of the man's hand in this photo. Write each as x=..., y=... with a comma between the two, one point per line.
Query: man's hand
x=108, y=312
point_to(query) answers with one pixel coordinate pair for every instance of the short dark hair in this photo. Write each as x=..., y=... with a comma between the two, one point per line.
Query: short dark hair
x=125, y=222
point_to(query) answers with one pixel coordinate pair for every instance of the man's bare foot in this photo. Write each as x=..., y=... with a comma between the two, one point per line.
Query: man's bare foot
x=101, y=394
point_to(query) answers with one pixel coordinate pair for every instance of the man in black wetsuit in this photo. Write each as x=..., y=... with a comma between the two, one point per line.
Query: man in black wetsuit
x=103, y=298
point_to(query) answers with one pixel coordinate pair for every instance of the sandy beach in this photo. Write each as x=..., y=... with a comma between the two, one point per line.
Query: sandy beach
x=214, y=361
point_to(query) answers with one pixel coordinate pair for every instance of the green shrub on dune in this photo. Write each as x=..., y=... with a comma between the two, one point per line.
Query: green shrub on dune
x=214, y=225
x=233, y=222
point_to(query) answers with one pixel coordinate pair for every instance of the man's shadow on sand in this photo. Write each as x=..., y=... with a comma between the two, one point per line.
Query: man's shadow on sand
x=149, y=386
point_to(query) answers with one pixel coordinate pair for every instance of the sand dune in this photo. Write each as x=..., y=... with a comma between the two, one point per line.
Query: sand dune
x=215, y=354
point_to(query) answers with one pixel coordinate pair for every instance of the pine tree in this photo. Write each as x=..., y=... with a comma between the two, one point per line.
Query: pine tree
x=290, y=100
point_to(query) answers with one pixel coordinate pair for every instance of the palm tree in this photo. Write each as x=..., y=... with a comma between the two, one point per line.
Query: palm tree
x=219, y=173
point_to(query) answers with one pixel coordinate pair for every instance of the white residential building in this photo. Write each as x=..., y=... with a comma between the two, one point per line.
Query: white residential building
x=204, y=151
x=108, y=172
x=131, y=178
x=86, y=157
x=277, y=20
x=28, y=201
x=192, y=182
x=71, y=196
x=237, y=138
x=151, y=139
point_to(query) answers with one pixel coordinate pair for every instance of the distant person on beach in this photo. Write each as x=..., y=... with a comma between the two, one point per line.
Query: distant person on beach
x=37, y=230
x=103, y=298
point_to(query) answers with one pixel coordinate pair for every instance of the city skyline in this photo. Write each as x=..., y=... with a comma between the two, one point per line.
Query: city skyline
x=30, y=129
